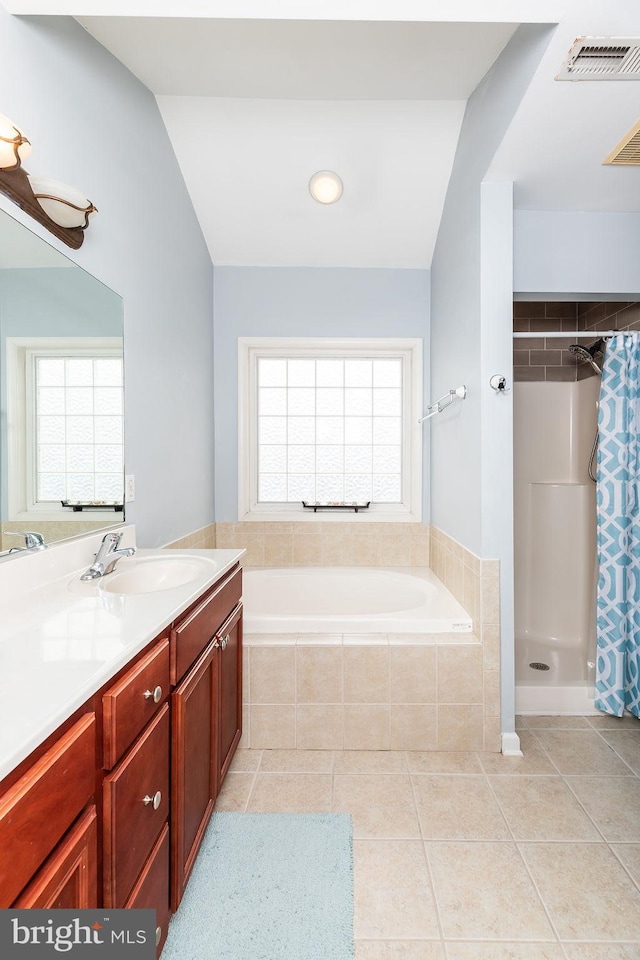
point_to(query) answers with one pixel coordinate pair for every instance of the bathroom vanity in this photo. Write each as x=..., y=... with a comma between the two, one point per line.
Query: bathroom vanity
x=110, y=806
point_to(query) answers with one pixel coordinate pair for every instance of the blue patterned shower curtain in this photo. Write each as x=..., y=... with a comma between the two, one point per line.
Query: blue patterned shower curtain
x=618, y=509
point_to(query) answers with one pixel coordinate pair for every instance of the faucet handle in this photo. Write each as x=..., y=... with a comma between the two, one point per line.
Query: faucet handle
x=31, y=538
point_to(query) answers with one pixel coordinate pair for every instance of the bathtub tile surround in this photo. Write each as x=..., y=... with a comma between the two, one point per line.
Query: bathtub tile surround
x=202, y=539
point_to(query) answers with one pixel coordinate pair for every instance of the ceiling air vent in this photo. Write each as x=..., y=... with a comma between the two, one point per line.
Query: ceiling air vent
x=602, y=58
x=627, y=153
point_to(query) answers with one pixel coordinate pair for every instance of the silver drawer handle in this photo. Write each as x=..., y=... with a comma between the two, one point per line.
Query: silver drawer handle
x=225, y=641
x=155, y=695
x=156, y=799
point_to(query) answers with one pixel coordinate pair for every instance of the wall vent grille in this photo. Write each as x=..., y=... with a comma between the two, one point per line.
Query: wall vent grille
x=627, y=152
x=602, y=58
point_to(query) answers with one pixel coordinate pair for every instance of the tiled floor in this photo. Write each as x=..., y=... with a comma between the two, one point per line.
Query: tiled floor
x=465, y=856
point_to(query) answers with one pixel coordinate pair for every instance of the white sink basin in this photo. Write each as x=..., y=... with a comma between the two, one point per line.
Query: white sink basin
x=151, y=574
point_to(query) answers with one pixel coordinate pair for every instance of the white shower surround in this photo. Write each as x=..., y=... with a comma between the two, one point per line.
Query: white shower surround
x=350, y=600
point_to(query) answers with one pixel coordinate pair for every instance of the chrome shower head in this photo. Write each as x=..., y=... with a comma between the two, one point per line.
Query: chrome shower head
x=586, y=354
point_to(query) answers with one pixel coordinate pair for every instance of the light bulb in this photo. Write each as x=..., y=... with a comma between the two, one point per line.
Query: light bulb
x=325, y=186
x=14, y=146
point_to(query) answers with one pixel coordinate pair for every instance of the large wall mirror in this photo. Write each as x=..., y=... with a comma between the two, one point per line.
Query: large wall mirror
x=61, y=395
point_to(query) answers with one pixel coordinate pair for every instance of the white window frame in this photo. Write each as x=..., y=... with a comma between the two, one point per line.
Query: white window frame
x=21, y=504
x=250, y=349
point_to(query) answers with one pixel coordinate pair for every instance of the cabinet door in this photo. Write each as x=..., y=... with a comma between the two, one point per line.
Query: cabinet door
x=230, y=708
x=195, y=764
x=151, y=891
x=68, y=880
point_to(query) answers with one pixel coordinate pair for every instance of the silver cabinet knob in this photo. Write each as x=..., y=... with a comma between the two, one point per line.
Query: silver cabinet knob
x=158, y=935
x=225, y=641
x=156, y=799
x=155, y=695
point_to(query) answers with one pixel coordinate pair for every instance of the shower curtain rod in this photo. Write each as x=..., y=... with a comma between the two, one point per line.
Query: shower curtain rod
x=570, y=334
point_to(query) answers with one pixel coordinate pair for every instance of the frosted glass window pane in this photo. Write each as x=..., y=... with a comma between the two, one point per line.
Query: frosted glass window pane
x=301, y=401
x=357, y=459
x=357, y=487
x=272, y=429
x=80, y=486
x=79, y=400
x=51, y=429
x=329, y=458
x=50, y=371
x=79, y=372
x=330, y=401
x=52, y=486
x=79, y=429
x=108, y=429
x=301, y=373
x=107, y=372
x=108, y=458
x=357, y=402
x=330, y=373
x=330, y=430
x=387, y=402
x=107, y=400
x=50, y=400
x=79, y=457
x=387, y=373
x=302, y=430
x=330, y=487
x=386, y=488
x=357, y=373
x=301, y=459
x=272, y=458
x=272, y=373
x=272, y=488
x=51, y=457
x=272, y=401
x=110, y=486
x=301, y=487
x=387, y=430
x=387, y=459
x=357, y=429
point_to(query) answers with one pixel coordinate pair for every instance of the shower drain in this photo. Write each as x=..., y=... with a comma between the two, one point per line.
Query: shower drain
x=536, y=665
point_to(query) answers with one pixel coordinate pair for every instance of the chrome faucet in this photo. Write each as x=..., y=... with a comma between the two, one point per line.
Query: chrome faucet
x=32, y=540
x=107, y=557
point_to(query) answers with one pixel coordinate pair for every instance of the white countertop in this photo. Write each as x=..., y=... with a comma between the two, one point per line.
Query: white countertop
x=61, y=639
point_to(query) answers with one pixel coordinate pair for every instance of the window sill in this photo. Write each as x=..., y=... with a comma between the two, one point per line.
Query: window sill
x=300, y=515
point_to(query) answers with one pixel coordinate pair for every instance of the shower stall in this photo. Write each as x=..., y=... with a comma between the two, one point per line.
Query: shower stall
x=555, y=432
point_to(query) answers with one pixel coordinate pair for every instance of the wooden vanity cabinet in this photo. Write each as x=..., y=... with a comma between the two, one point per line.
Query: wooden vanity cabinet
x=69, y=878
x=230, y=691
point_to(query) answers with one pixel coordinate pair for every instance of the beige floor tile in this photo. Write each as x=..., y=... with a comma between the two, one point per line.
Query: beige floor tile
x=483, y=891
x=606, y=722
x=557, y=723
x=370, y=761
x=380, y=806
x=542, y=808
x=441, y=762
x=581, y=753
x=626, y=744
x=297, y=761
x=393, y=898
x=533, y=763
x=613, y=805
x=458, y=808
x=399, y=950
x=245, y=761
x=629, y=854
x=587, y=895
x=235, y=792
x=602, y=951
x=504, y=951
x=290, y=793
x=522, y=722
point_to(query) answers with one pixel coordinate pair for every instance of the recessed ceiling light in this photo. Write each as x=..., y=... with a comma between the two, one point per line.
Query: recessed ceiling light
x=325, y=186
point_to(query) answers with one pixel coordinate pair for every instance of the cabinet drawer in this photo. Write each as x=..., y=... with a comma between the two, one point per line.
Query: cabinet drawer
x=136, y=806
x=38, y=809
x=151, y=891
x=191, y=635
x=131, y=702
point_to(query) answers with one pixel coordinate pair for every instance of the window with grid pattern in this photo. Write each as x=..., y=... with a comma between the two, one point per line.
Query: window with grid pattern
x=329, y=422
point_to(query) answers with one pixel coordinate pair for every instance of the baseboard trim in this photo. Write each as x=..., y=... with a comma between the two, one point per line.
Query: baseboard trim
x=511, y=745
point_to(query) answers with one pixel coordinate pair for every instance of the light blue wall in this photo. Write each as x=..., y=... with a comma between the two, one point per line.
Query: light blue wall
x=573, y=252
x=302, y=302
x=456, y=437
x=93, y=125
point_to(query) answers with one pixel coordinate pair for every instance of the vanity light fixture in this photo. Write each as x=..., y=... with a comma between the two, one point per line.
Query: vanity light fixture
x=325, y=186
x=63, y=210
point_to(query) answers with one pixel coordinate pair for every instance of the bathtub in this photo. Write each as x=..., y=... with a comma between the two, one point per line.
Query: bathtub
x=344, y=600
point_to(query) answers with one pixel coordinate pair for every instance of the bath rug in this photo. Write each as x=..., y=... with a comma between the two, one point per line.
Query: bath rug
x=268, y=886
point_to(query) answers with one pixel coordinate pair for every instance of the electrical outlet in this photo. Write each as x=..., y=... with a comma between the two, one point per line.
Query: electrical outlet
x=129, y=488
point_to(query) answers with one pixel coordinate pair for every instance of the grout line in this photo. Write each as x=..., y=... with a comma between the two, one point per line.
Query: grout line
x=535, y=887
